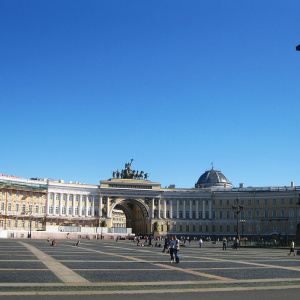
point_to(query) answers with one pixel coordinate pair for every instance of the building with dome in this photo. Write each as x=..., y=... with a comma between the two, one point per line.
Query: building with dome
x=41, y=208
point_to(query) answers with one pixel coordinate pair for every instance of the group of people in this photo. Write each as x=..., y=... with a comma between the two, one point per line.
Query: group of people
x=171, y=246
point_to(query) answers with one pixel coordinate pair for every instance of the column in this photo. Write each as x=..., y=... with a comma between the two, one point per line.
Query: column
x=100, y=206
x=165, y=209
x=184, y=214
x=203, y=210
x=159, y=208
x=87, y=202
x=47, y=204
x=54, y=203
x=80, y=206
x=210, y=212
x=197, y=209
x=67, y=205
x=73, y=205
x=107, y=205
x=152, y=209
x=171, y=209
x=177, y=209
x=60, y=203
x=191, y=209
x=93, y=206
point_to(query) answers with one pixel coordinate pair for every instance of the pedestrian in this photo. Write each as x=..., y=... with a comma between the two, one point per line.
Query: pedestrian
x=166, y=245
x=292, y=249
x=224, y=243
x=171, y=249
x=200, y=242
x=176, y=249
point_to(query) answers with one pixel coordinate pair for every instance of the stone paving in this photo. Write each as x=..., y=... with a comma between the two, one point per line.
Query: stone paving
x=33, y=267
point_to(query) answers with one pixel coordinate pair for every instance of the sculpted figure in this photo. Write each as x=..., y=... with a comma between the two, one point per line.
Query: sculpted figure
x=114, y=174
x=118, y=174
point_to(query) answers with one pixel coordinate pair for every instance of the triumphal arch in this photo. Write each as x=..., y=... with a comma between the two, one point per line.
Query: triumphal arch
x=131, y=191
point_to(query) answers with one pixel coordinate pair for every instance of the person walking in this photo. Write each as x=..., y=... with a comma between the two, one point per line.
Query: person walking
x=176, y=249
x=292, y=249
x=200, y=242
x=224, y=243
x=171, y=249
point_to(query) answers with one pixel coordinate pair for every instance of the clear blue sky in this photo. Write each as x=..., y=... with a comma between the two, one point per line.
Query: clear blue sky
x=175, y=85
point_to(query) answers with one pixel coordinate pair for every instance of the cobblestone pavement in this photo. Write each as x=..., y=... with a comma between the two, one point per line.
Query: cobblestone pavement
x=34, y=268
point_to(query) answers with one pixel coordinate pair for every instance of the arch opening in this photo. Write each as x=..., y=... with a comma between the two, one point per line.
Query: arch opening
x=136, y=214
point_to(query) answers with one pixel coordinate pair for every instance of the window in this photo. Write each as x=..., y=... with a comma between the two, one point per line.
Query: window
x=168, y=214
x=57, y=209
x=221, y=214
x=96, y=211
x=57, y=197
x=207, y=214
x=227, y=202
x=193, y=214
x=193, y=202
x=274, y=213
x=31, y=194
x=227, y=228
x=8, y=223
x=167, y=202
x=83, y=198
x=206, y=228
x=180, y=214
x=266, y=214
x=257, y=214
x=18, y=193
x=227, y=214
x=83, y=210
x=96, y=199
x=214, y=202
x=274, y=201
x=37, y=209
x=291, y=201
x=65, y=197
x=221, y=228
x=90, y=211
x=282, y=213
x=16, y=223
x=77, y=198
x=282, y=201
x=180, y=202
x=174, y=227
x=221, y=202
x=30, y=208
x=200, y=227
x=50, y=209
x=266, y=201
x=9, y=207
x=37, y=195
x=90, y=199
x=194, y=228
x=187, y=228
x=23, y=224
x=17, y=207
x=43, y=209
x=3, y=192
x=249, y=214
x=70, y=210
x=10, y=193
x=180, y=228
x=187, y=214
x=76, y=210
x=71, y=198
x=36, y=224
x=291, y=213
x=213, y=214
x=257, y=201
x=249, y=202
x=174, y=213
x=63, y=210
x=200, y=214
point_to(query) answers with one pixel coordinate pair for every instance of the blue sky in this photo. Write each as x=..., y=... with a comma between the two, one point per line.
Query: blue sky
x=175, y=85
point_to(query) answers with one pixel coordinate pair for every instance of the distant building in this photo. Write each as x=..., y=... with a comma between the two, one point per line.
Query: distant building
x=43, y=207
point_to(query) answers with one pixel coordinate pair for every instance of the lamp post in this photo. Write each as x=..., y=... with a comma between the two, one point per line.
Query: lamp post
x=30, y=225
x=238, y=208
x=243, y=224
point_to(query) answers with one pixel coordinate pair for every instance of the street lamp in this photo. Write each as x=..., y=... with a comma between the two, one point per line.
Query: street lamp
x=237, y=209
x=30, y=225
x=243, y=223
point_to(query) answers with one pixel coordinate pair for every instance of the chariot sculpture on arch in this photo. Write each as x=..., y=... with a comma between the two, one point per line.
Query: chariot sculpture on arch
x=127, y=173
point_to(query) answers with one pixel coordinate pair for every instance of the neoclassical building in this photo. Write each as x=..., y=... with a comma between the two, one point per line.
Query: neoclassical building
x=129, y=203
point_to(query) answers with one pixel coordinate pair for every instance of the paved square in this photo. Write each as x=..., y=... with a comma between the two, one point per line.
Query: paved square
x=99, y=266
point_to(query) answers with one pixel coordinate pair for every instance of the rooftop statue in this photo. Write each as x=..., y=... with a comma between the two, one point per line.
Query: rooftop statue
x=127, y=173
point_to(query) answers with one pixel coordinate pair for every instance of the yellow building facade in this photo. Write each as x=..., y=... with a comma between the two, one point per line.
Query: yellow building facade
x=39, y=207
